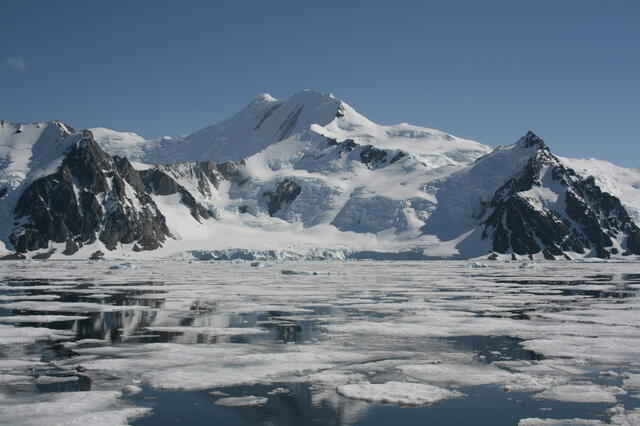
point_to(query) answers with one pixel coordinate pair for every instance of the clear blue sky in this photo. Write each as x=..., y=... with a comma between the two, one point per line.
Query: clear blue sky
x=486, y=70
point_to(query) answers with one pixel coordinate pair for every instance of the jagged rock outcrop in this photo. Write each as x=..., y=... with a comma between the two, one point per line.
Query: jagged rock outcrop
x=158, y=182
x=548, y=208
x=284, y=194
x=91, y=196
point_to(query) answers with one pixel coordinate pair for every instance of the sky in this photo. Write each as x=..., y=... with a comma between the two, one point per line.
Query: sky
x=485, y=70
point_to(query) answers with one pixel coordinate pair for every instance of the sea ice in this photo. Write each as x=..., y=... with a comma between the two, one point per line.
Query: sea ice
x=277, y=391
x=125, y=265
x=560, y=422
x=211, y=331
x=582, y=393
x=631, y=381
x=400, y=393
x=95, y=408
x=299, y=272
x=41, y=318
x=242, y=401
x=131, y=389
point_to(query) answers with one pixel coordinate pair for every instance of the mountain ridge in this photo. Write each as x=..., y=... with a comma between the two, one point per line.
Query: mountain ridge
x=316, y=176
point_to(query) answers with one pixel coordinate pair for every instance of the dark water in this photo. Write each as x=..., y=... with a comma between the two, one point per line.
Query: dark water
x=489, y=404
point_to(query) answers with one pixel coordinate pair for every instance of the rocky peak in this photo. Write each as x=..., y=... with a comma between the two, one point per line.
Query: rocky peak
x=91, y=196
x=531, y=140
x=66, y=129
x=571, y=213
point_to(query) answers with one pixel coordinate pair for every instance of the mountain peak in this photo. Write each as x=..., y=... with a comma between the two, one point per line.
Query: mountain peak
x=262, y=99
x=531, y=140
x=305, y=96
x=313, y=99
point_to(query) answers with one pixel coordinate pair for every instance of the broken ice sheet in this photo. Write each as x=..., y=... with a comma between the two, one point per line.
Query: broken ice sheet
x=242, y=401
x=401, y=393
x=582, y=393
x=96, y=408
x=387, y=332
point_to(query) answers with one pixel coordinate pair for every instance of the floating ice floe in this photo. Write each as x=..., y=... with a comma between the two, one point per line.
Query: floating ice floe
x=277, y=391
x=131, y=389
x=400, y=393
x=476, y=265
x=42, y=318
x=10, y=297
x=44, y=380
x=560, y=422
x=81, y=307
x=10, y=335
x=86, y=342
x=582, y=393
x=211, y=331
x=260, y=264
x=125, y=265
x=631, y=381
x=299, y=272
x=12, y=365
x=619, y=417
x=95, y=408
x=242, y=401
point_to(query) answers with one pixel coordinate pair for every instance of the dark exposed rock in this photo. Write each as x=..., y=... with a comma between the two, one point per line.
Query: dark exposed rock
x=14, y=256
x=589, y=220
x=208, y=174
x=158, y=182
x=400, y=155
x=347, y=145
x=633, y=241
x=285, y=193
x=493, y=256
x=97, y=255
x=70, y=248
x=372, y=156
x=45, y=255
x=243, y=209
x=532, y=140
x=3, y=191
x=92, y=195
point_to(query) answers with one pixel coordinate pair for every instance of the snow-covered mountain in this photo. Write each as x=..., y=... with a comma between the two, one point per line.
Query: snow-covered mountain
x=306, y=176
x=267, y=121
